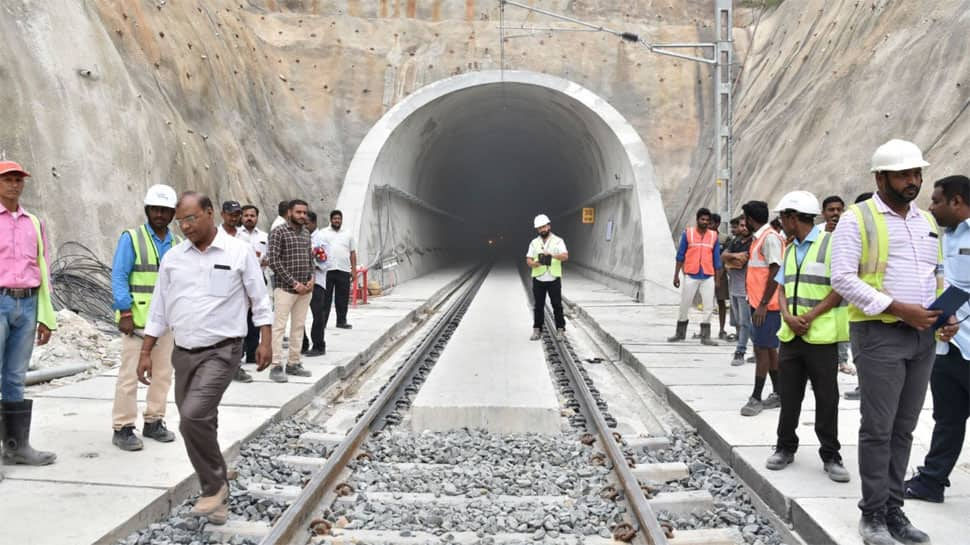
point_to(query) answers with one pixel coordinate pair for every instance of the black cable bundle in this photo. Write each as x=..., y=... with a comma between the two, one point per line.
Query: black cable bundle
x=82, y=283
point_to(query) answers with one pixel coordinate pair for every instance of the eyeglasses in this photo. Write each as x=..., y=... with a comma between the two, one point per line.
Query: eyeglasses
x=187, y=220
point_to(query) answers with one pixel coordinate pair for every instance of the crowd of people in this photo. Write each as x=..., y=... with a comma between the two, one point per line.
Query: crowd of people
x=193, y=309
x=871, y=275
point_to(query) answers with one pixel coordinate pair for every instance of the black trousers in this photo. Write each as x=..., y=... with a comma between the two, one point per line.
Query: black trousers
x=252, y=338
x=950, y=385
x=539, y=291
x=799, y=362
x=338, y=291
x=319, y=317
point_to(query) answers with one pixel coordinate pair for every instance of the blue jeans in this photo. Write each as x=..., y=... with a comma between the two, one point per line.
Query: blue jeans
x=18, y=322
x=741, y=319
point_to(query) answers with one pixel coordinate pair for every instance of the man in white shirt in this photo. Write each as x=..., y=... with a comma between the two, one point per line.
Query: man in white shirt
x=205, y=285
x=259, y=241
x=341, y=265
x=282, y=209
x=231, y=220
x=545, y=257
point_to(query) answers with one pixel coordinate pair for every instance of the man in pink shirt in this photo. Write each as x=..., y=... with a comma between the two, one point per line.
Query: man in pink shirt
x=25, y=312
x=889, y=284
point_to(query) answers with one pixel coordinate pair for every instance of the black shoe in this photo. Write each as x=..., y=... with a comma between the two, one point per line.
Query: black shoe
x=779, y=460
x=125, y=439
x=156, y=430
x=242, y=376
x=873, y=529
x=345, y=326
x=316, y=352
x=919, y=488
x=902, y=529
x=297, y=370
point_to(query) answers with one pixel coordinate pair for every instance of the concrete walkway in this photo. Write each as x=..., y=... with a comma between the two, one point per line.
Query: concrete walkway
x=490, y=375
x=96, y=494
x=708, y=392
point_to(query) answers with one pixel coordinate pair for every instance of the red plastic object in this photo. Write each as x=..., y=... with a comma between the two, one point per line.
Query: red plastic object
x=359, y=292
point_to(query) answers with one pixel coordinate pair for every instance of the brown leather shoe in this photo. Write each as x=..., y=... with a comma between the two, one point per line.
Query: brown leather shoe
x=210, y=504
x=219, y=516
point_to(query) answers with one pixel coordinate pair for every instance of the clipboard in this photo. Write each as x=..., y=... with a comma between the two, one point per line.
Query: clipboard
x=949, y=302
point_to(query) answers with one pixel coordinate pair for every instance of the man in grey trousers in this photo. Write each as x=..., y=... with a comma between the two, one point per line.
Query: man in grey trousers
x=205, y=287
x=886, y=262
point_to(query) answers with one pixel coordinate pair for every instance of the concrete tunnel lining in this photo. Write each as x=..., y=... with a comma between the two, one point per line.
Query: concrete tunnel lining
x=476, y=156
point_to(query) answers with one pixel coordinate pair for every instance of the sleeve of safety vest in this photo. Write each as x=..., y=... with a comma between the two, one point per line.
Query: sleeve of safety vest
x=121, y=266
x=846, y=253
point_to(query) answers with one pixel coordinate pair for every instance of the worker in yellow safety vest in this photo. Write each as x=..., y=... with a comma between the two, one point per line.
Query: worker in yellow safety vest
x=887, y=264
x=134, y=271
x=813, y=323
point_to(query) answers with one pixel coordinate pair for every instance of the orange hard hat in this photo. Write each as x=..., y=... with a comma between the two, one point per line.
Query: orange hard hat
x=7, y=167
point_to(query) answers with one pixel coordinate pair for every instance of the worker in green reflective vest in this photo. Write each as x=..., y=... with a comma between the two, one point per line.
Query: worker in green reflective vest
x=814, y=321
x=134, y=271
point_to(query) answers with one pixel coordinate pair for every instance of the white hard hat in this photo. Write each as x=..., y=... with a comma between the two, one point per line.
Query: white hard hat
x=540, y=220
x=897, y=155
x=161, y=195
x=802, y=202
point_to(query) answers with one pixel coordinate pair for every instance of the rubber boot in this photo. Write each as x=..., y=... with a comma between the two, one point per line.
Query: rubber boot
x=16, y=437
x=706, y=335
x=681, y=332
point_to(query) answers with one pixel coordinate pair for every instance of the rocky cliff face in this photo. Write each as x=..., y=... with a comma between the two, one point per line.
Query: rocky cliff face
x=263, y=100
x=260, y=100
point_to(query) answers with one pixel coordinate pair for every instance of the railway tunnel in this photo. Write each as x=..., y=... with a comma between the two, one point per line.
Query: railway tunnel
x=459, y=168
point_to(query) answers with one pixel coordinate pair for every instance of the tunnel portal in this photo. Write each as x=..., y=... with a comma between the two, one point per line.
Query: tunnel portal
x=460, y=167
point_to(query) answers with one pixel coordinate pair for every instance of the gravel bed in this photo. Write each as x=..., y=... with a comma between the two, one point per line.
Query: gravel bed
x=732, y=504
x=254, y=467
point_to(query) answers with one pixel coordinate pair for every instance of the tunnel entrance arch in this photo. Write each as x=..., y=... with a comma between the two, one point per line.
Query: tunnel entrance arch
x=472, y=158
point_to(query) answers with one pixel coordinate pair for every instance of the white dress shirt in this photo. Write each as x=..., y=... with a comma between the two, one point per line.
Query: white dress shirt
x=340, y=244
x=258, y=239
x=320, y=269
x=203, y=296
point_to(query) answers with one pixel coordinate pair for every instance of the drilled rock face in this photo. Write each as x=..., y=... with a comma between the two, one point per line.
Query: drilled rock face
x=263, y=100
x=270, y=100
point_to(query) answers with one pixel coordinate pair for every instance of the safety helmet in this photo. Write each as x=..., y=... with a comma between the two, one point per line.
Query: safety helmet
x=540, y=220
x=897, y=155
x=161, y=195
x=802, y=202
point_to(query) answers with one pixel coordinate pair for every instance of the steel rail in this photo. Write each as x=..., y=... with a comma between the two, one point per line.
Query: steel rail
x=293, y=523
x=645, y=517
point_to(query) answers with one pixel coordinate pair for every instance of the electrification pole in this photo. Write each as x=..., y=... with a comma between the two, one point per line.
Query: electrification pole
x=721, y=53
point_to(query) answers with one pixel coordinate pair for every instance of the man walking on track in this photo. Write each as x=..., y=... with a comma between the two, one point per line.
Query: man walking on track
x=134, y=272
x=887, y=263
x=204, y=288
x=547, y=252
x=26, y=313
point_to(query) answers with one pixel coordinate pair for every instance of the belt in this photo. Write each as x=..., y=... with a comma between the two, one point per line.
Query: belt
x=220, y=344
x=19, y=293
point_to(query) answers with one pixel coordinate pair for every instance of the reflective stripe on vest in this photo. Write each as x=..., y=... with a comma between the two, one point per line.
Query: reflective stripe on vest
x=144, y=274
x=700, y=252
x=759, y=272
x=808, y=287
x=555, y=269
x=874, y=235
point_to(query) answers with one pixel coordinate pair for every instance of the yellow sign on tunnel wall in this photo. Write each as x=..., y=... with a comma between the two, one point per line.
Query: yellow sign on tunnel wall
x=589, y=215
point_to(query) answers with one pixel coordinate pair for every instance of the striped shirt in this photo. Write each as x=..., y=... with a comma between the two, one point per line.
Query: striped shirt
x=910, y=270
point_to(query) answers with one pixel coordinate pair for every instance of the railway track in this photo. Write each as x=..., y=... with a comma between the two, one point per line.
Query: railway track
x=384, y=484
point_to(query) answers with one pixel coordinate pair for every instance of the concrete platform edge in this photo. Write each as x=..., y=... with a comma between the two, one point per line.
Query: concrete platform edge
x=162, y=506
x=782, y=519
